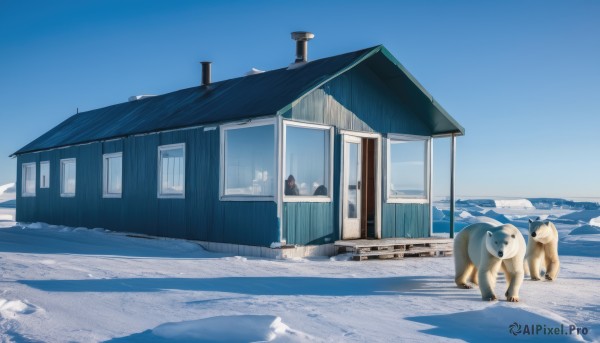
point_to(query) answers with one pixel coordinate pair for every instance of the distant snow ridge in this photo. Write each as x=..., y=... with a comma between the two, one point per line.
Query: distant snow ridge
x=517, y=203
x=8, y=188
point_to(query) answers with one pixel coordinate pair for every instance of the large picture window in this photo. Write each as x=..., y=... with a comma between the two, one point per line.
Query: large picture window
x=112, y=175
x=171, y=171
x=307, y=169
x=408, y=169
x=248, y=161
x=28, y=179
x=45, y=174
x=68, y=175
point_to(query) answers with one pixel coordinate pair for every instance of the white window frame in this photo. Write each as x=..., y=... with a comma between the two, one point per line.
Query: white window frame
x=244, y=125
x=62, y=177
x=389, y=198
x=47, y=184
x=309, y=198
x=24, y=167
x=159, y=194
x=105, y=159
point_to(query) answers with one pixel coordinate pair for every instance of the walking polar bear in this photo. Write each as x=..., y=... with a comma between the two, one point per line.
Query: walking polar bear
x=479, y=252
x=542, y=250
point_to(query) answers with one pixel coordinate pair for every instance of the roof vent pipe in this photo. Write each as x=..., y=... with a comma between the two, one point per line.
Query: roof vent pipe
x=206, y=73
x=302, y=39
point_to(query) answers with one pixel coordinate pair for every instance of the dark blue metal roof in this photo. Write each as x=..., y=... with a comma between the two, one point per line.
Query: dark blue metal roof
x=263, y=94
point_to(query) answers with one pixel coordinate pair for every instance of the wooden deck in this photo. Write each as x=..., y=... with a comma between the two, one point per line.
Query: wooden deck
x=395, y=248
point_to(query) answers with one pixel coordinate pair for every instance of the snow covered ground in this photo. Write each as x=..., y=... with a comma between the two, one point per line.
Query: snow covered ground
x=72, y=284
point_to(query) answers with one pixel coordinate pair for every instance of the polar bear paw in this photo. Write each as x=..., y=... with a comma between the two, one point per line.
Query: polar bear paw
x=465, y=286
x=549, y=278
x=535, y=278
x=489, y=297
x=512, y=299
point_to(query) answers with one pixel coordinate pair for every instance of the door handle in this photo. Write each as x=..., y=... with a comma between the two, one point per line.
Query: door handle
x=358, y=184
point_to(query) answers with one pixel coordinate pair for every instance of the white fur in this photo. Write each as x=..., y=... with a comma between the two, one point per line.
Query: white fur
x=542, y=250
x=477, y=258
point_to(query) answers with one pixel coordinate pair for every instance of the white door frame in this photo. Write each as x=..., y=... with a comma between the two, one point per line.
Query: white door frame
x=378, y=178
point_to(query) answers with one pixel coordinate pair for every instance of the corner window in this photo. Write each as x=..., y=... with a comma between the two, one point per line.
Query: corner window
x=45, y=174
x=171, y=171
x=408, y=169
x=307, y=166
x=68, y=176
x=112, y=175
x=28, y=179
x=248, y=161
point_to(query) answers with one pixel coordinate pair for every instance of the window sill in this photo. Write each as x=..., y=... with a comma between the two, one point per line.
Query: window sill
x=67, y=195
x=306, y=199
x=113, y=196
x=171, y=196
x=246, y=198
x=28, y=195
x=406, y=201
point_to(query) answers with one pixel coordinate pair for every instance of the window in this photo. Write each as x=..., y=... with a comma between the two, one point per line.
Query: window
x=248, y=160
x=408, y=169
x=28, y=179
x=307, y=168
x=68, y=175
x=45, y=174
x=112, y=175
x=171, y=171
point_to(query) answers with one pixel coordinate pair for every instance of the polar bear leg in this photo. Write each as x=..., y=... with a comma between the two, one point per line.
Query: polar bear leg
x=487, y=275
x=474, y=278
x=463, y=274
x=514, y=278
x=463, y=266
x=506, y=272
x=535, y=255
x=552, y=262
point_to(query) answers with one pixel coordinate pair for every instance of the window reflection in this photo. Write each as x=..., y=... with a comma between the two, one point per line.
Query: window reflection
x=306, y=161
x=250, y=161
x=407, y=167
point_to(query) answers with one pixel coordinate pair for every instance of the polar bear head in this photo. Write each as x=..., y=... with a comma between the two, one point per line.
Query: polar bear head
x=540, y=231
x=502, y=243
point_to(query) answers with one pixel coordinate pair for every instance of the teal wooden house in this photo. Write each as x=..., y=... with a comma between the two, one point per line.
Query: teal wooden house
x=332, y=149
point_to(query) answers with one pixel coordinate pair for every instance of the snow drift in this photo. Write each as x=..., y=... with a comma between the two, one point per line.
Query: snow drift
x=243, y=328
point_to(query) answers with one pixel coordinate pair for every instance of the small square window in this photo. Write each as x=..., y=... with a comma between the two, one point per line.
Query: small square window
x=171, y=171
x=112, y=175
x=28, y=179
x=45, y=174
x=68, y=177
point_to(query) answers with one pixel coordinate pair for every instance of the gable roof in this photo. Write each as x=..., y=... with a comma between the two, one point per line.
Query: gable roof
x=268, y=93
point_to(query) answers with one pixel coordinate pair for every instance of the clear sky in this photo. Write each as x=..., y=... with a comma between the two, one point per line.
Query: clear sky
x=523, y=77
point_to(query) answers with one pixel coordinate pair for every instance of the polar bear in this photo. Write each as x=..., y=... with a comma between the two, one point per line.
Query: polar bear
x=542, y=250
x=479, y=252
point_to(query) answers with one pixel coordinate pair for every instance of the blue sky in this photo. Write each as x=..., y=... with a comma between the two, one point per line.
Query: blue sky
x=523, y=77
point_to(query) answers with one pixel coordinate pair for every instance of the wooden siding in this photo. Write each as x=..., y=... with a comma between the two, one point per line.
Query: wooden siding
x=200, y=216
x=359, y=101
x=309, y=223
x=404, y=220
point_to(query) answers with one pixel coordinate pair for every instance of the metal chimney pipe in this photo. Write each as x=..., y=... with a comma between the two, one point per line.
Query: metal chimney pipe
x=302, y=38
x=206, y=71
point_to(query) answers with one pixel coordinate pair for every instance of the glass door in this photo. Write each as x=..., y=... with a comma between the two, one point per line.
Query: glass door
x=351, y=205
